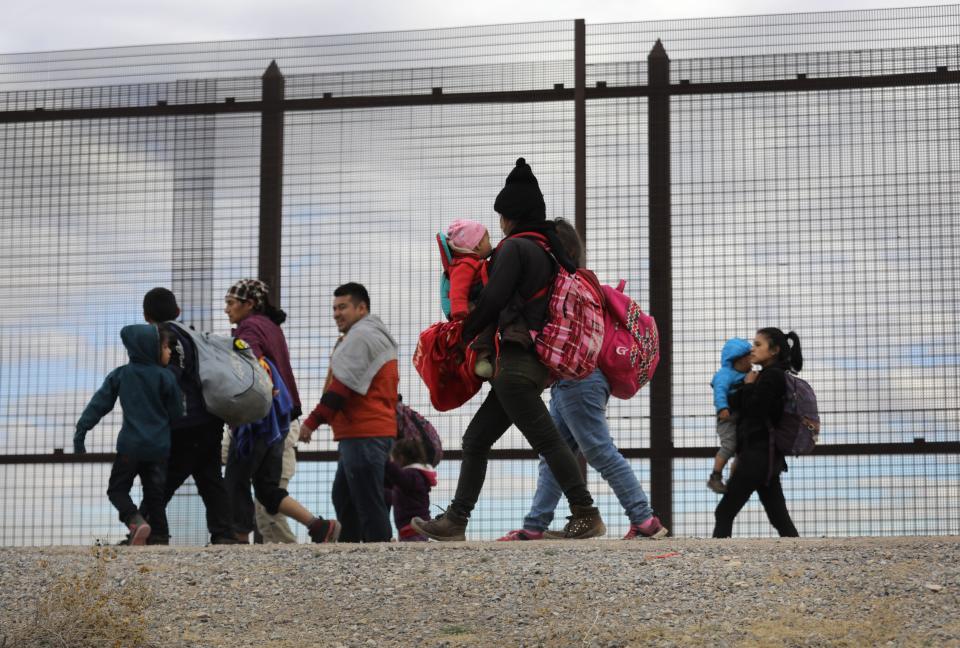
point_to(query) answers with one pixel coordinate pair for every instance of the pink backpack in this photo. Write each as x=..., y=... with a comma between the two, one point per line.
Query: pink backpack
x=631, y=345
x=570, y=342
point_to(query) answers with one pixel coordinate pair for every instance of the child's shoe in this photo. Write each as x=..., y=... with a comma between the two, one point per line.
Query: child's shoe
x=649, y=528
x=522, y=534
x=321, y=530
x=483, y=368
x=139, y=530
x=715, y=483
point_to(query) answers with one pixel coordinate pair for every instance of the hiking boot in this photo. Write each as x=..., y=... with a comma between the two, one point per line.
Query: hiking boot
x=321, y=530
x=522, y=534
x=139, y=530
x=584, y=523
x=715, y=483
x=224, y=540
x=649, y=528
x=446, y=527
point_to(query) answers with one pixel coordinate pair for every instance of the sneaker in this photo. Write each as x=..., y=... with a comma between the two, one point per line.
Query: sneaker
x=522, y=534
x=139, y=530
x=715, y=483
x=321, y=530
x=483, y=368
x=554, y=535
x=224, y=540
x=446, y=527
x=649, y=528
x=154, y=539
x=584, y=523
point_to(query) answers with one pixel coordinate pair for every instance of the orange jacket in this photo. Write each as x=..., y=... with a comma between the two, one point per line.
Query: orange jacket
x=372, y=415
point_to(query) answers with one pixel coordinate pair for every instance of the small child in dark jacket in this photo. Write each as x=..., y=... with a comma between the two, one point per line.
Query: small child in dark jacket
x=150, y=399
x=408, y=482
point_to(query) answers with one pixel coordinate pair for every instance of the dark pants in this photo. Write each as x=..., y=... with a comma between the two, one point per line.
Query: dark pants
x=358, y=490
x=152, y=475
x=749, y=476
x=195, y=452
x=515, y=400
x=262, y=467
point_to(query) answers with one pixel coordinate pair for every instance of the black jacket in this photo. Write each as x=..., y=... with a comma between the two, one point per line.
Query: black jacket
x=759, y=404
x=519, y=269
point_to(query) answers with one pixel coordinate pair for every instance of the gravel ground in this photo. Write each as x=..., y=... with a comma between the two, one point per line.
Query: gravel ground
x=807, y=592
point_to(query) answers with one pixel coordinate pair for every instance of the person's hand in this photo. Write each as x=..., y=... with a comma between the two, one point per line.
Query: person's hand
x=751, y=377
x=723, y=414
x=305, y=433
x=78, y=446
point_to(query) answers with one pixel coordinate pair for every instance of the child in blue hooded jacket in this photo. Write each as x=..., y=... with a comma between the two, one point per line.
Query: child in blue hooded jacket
x=734, y=366
x=150, y=399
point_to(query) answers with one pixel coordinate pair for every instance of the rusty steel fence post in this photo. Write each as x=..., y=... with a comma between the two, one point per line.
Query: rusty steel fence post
x=580, y=128
x=661, y=281
x=271, y=180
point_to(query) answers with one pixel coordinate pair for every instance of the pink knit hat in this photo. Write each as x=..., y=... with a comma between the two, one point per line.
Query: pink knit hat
x=465, y=235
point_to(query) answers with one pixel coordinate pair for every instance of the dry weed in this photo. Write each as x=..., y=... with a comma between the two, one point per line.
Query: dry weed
x=89, y=609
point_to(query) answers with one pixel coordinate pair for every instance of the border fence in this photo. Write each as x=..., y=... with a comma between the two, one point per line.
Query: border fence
x=798, y=171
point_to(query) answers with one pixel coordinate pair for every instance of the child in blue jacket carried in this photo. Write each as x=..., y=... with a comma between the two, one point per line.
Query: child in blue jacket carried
x=150, y=399
x=734, y=366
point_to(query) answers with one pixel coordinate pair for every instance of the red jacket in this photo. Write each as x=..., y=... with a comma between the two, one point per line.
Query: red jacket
x=465, y=271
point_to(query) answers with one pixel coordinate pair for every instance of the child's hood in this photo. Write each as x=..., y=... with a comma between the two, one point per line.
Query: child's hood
x=734, y=348
x=142, y=342
x=427, y=471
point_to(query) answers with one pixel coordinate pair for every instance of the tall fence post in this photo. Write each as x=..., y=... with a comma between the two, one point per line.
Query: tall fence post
x=271, y=180
x=661, y=281
x=580, y=128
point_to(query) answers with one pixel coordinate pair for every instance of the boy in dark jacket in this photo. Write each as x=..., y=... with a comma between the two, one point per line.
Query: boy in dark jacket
x=150, y=400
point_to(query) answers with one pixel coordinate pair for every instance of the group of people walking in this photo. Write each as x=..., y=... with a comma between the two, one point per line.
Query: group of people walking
x=167, y=434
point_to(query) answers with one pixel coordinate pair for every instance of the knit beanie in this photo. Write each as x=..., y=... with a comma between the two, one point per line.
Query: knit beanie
x=521, y=199
x=249, y=289
x=465, y=235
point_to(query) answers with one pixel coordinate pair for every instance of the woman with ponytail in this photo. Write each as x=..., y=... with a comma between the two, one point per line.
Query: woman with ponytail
x=760, y=403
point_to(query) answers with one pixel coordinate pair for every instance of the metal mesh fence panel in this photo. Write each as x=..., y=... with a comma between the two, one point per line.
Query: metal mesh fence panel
x=827, y=211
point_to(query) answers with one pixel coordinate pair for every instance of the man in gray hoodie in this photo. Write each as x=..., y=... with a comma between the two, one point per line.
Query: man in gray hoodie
x=359, y=403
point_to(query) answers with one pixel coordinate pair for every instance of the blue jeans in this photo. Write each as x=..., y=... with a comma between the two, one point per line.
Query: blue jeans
x=358, y=490
x=579, y=408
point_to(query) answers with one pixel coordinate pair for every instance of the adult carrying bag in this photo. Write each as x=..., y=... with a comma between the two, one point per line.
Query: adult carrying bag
x=234, y=386
x=631, y=343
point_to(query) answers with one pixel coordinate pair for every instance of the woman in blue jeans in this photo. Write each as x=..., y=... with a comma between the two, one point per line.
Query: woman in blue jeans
x=579, y=409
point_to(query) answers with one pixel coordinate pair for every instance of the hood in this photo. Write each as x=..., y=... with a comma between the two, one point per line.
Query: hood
x=142, y=342
x=733, y=349
x=373, y=323
x=426, y=470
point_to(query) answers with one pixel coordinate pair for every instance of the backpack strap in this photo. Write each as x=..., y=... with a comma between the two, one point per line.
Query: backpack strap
x=542, y=241
x=446, y=256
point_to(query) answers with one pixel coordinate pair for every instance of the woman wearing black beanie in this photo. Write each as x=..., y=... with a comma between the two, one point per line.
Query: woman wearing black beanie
x=514, y=299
